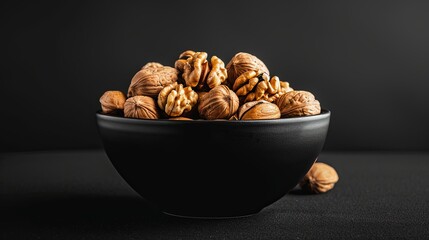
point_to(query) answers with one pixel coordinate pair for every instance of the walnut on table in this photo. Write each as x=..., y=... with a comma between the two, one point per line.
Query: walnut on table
x=319, y=179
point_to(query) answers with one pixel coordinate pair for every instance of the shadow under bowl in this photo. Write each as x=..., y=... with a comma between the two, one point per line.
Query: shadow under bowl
x=213, y=168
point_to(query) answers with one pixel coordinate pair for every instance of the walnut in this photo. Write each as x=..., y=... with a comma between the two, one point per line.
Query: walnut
x=298, y=103
x=319, y=179
x=257, y=85
x=243, y=62
x=195, y=69
x=198, y=72
x=259, y=109
x=217, y=74
x=143, y=107
x=175, y=99
x=180, y=118
x=151, y=79
x=201, y=94
x=152, y=65
x=181, y=62
x=219, y=103
x=112, y=101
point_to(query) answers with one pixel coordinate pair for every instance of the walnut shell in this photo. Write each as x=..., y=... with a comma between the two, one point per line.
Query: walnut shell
x=219, y=103
x=112, y=101
x=319, y=179
x=143, y=107
x=150, y=65
x=151, y=79
x=298, y=103
x=242, y=62
x=176, y=100
x=259, y=109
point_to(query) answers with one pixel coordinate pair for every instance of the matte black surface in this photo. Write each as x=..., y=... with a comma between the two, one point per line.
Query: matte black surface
x=367, y=61
x=79, y=195
x=217, y=168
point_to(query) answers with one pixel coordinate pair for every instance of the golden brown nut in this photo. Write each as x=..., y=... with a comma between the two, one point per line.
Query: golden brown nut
x=260, y=109
x=180, y=118
x=201, y=95
x=150, y=80
x=183, y=59
x=219, y=103
x=298, y=103
x=112, y=101
x=257, y=85
x=200, y=73
x=143, y=107
x=217, y=74
x=243, y=62
x=176, y=100
x=195, y=70
x=319, y=179
x=152, y=65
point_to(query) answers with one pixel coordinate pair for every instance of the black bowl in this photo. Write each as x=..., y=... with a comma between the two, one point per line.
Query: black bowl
x=213, y=168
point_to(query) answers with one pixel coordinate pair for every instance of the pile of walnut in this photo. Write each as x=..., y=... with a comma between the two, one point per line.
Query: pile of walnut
x=203, y=87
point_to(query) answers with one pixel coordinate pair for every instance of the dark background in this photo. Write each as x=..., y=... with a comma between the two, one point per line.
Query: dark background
x=366, y=61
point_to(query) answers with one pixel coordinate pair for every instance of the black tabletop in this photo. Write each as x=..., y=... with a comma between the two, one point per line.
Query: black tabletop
x=79, y=195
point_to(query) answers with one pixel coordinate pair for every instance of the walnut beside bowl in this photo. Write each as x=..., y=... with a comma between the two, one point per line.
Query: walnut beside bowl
x=213, y=168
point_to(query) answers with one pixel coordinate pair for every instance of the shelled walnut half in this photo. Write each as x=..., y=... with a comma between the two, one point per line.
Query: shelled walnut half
x=257, y=85
x=200, y=73
x=175, y=99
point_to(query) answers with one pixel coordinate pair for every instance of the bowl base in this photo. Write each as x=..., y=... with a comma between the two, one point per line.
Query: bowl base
x=211, y=217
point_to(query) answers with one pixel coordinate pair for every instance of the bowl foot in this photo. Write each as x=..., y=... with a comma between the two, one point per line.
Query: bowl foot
x=211, y=217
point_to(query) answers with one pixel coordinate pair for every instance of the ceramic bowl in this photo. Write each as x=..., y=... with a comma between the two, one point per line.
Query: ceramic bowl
x=213, y=168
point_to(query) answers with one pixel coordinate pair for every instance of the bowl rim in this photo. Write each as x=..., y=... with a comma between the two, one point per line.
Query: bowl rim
x=324, y=113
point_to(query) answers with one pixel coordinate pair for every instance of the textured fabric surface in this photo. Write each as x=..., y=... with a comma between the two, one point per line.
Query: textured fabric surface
x=79, y=195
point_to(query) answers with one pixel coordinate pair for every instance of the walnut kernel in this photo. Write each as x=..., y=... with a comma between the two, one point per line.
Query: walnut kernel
x=257, y=85
x=200, y=73
x=175, y=99
x=180, y=118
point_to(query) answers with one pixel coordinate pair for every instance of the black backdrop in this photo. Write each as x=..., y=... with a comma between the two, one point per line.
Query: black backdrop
x=366, y=61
